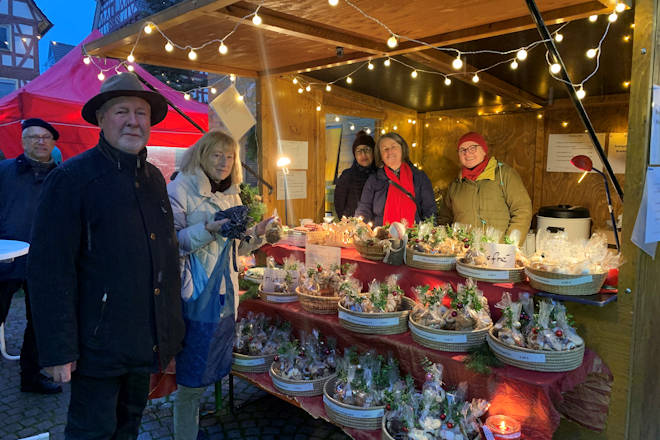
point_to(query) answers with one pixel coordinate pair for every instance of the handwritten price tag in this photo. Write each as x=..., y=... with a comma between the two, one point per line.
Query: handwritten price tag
x=499, y=255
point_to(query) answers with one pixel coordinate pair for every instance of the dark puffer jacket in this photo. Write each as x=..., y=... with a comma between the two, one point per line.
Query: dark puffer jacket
x=349, y=188
x=20, y=187
x=103, y=272
x=374, y=196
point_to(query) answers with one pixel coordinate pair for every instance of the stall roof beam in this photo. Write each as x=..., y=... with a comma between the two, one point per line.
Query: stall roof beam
x=441, y=62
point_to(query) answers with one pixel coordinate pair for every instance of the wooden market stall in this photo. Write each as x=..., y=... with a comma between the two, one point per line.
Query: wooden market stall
x=516, y=112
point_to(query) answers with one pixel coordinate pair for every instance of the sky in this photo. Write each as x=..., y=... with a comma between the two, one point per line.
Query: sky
x=72, y=22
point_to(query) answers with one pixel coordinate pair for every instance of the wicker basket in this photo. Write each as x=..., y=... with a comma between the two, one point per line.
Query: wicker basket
x=321, y=305
x=251, y=364
x=536, y=360
x=384, y=434
x=374, y=252
x=565, y=284
x=489, y=274
x=276, y=297
x=350, y=415
x=421, y=260
x=388, y=323
x=447, y=340
x=298, y=387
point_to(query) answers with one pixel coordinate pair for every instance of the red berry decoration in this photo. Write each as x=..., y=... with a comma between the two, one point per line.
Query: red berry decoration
x=417, y=240
x=404, y=429
x=388, y=407
x=466, y=245
x=535, y=330
x=559, y=333
x=429, y=377
x=319, y=268
x=450, y=425
x=276, y=358
x=459, y=305
x=454, y=313
x=443, y=416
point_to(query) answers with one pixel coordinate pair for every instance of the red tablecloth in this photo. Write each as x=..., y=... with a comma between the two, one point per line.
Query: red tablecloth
x=535, y=399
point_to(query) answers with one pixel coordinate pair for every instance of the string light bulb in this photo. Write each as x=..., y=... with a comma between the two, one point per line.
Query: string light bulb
x=382, y=131
x=130, y=58
x=581, y=93
x=300, y=90
x=295, y=80
x=626, y=84
x=395, y=128
x=368, y=131
x=521, y=54
x=413, y=74
x=591, y=53
x=318, y=108
x=240, y=97
x=232, y=77
x=559, y=37
x=223, y=49
x=612, y=17
x=169, y=47
x=513, y=65
x=100, y=76
x=414, y=144
x=349, y=80
x=555, y=68
x=387, y=62
x=620, y=7
x=192, y=55
x=564, y=124
x=370, y=66
x=352, y=127
x=475, y=78
x=186, y=97
x=447, y=81
x=593, y=18
x=336, y=118
x=392, y=42
x=308, y=88
x=457, y=63
x=130, y=68
x=86, y=60
x=328, y=87
x=257, y=19
x=147, y=28
x=333, y=2
x=213, y=90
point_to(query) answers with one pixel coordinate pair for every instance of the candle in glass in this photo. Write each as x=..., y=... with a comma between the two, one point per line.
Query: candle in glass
x=503, y=427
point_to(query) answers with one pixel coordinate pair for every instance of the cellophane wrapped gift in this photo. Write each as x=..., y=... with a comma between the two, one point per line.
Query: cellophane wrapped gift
x=311, y=357
x=381, y=297
x=257, y=335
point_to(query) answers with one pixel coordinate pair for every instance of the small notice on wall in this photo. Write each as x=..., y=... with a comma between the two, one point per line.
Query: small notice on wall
x=297, y=152
x=292, y=185
x=325, y=256
x=646, y=232
x=233, y=112
x=654, y=153
x=562, y=147
x=616, y=152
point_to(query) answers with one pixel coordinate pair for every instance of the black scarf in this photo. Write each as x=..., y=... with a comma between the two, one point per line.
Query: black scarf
x=221, y=186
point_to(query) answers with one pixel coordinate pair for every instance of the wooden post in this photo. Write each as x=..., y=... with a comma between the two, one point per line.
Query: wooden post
x=641, y=274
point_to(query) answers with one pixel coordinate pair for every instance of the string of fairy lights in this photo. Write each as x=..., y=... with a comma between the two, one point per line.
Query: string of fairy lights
x=512, y=57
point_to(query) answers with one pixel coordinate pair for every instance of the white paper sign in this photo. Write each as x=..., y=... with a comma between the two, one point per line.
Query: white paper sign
x=500, y=255
x=273, y=277
x=477, y=273
x=292, y=386
x=451, y=339
x=654, y=153
x=560, y=282
x=639, y=230
x=249, y=362
x=325, y=256
x=433, y=260
x=616, y=152
x=296, y=151
x=292, y=185
x=233, y=112
x=360, y=414
x=653, y=205
x=281, y=298
x=372, y=322
x=536, y=358
x=562, y=147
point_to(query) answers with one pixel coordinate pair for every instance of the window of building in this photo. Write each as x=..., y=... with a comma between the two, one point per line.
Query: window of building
x=5, y=37
x=7, y=85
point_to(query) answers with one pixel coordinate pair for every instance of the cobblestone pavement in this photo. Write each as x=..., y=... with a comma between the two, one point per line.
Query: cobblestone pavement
x=259, y=415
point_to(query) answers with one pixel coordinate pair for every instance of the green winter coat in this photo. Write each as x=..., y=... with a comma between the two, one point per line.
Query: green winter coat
x=497, y=198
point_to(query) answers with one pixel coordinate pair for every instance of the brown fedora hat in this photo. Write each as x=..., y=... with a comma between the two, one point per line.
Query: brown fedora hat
x=124, y=84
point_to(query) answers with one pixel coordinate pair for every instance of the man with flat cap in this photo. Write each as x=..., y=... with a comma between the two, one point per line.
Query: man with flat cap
x=21, y=182
x=104, y=279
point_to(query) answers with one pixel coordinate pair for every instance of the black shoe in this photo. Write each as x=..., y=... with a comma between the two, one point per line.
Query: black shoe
x=39, y=384
x=202, y=435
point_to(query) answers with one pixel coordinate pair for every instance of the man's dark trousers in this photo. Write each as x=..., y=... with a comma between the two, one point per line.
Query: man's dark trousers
x=29, y=359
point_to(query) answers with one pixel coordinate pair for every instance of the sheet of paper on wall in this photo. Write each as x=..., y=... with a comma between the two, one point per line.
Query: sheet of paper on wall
x=326, y=256
x=652, y=187
x=638, y=236
x=562, y=147
x=654, y=150
x=296, y=151
x=616, y=152
x=233, y=112
x=296, y=185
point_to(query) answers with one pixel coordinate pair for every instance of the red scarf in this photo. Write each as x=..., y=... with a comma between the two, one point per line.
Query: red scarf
x=473, y=173
x=398, y=205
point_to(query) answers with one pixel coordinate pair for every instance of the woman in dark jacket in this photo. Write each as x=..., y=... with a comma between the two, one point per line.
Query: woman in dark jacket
x=397, y=191
x=350, y=183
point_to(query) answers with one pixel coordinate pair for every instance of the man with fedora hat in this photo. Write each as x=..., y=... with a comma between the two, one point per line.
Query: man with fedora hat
x=104, y=276
x=21, y=181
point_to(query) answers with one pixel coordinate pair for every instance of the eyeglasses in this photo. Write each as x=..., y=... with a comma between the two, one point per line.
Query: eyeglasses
x=363, y=151
x=471, y=149
x=35, y=138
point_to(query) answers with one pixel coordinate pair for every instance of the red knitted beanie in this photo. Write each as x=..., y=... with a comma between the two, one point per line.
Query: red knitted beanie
x=473, y=137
